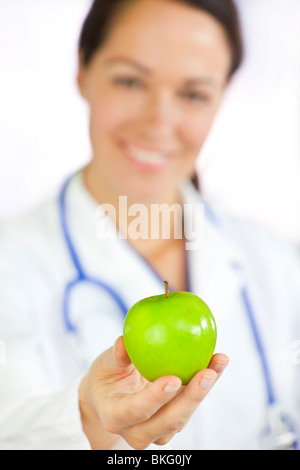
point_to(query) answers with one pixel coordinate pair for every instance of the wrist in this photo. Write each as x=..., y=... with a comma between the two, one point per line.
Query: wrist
x=98, y=437
x=87, y=411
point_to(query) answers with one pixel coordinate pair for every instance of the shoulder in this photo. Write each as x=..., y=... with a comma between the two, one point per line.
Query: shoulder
x=42, y=224
x=40, y=216
x=256, y=243
x=273, y=259
x=29, y=246
x=265, y=244
x=22, y=242
x=28, y=233
x=252, y=236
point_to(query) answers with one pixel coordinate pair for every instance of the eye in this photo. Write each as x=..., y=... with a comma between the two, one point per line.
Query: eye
x=129, y=82
x=194, y=96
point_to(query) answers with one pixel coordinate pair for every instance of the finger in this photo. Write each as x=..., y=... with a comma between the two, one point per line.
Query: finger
x=204, y=380
x=136, y=408
x=113, y=364
x=162, y=441
x=195, y=391
x=116, y=357
x=174, y=416
x=120, y=353
x=219, y=363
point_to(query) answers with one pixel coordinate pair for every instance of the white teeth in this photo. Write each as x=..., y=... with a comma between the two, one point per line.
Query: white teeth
x=144, y=156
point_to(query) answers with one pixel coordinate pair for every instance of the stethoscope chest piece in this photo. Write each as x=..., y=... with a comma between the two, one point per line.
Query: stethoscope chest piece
x=281, y=433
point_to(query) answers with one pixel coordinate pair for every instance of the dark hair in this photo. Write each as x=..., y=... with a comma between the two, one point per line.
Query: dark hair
x=103, y=12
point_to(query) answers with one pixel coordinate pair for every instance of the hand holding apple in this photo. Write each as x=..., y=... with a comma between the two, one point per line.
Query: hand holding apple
x=116, y=402
x=170, y=334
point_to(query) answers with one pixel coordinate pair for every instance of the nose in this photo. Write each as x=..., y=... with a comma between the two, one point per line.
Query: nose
x=160, y=116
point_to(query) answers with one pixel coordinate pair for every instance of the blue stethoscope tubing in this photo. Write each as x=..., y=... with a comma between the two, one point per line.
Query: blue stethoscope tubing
x=271, y=397
x=82, y=277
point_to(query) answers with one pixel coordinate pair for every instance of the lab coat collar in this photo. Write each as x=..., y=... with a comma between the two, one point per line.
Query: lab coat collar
x=105, y=257
x=216, y=267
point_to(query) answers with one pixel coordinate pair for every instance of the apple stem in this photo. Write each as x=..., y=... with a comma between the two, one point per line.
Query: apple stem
x=167, y=288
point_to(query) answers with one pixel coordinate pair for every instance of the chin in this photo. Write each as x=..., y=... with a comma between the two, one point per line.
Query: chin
x=156, y=191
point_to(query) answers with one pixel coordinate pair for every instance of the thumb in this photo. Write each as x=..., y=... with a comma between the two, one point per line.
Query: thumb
x=120, y=355
x=107, y=369
x=114, y=362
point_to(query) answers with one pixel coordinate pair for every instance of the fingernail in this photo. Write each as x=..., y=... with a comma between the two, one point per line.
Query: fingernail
x=171, y=387
x=207, y=383
x=220, y=367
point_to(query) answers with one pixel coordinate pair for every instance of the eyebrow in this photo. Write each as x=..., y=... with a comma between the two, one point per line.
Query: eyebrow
x=205, y=80
x=132, y=63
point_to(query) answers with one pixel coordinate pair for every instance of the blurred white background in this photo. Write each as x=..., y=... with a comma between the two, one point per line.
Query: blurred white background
x=250, y=165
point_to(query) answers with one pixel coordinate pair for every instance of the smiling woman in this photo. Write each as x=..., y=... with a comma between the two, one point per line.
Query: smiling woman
x=153, y=75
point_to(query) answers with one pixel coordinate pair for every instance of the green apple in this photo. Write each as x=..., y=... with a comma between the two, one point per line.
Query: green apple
x=170, y=334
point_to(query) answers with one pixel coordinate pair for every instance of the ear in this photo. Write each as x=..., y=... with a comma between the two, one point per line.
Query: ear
x=81, y=72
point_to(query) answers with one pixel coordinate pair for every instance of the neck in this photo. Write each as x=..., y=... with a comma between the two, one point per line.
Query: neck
x=150, y=224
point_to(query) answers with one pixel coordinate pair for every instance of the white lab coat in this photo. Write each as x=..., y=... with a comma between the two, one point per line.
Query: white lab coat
x=44, y=364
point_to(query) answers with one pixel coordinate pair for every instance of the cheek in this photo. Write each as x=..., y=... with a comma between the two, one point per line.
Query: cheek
x=106, y=116
x=197, y=129
x=195, y=135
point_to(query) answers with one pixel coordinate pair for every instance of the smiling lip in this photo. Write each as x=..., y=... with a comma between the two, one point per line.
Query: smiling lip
x=146, y=157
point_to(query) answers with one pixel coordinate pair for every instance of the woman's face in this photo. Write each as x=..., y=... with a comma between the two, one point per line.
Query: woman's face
x=153, y=90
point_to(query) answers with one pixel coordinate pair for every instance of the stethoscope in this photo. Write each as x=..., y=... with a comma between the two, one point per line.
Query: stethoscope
x=82, y=276
x=281, y=433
